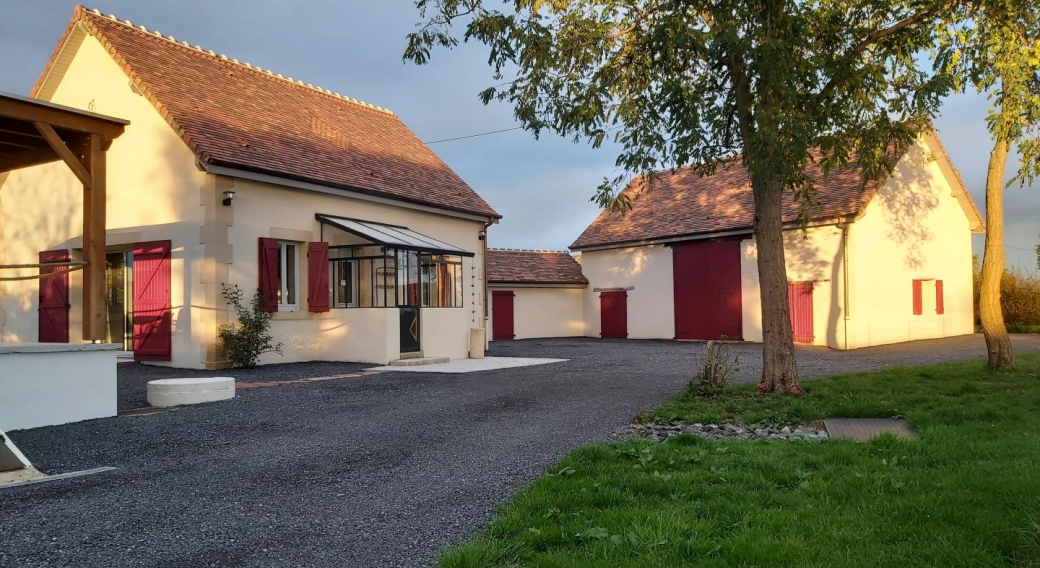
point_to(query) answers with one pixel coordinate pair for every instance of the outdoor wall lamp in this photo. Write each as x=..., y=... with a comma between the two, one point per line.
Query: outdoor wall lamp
x=228, y=196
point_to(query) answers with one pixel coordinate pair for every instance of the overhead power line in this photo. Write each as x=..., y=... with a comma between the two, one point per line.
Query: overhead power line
x=473, y=135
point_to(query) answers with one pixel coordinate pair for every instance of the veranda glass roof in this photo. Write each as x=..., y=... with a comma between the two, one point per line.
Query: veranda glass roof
x=392, y=236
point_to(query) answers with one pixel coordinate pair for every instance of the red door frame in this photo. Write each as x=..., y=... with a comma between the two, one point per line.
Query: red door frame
x=54, y=304
x=800, y=303
x=613, y=314
x=502, y=323
x=706, y=288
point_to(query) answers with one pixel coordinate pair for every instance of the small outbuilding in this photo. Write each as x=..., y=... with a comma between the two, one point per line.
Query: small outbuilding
x=535, y=293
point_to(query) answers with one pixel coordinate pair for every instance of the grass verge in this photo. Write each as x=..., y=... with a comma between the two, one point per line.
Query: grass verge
x=965, y=493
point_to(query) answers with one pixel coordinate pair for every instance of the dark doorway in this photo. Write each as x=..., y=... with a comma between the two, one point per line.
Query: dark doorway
x=706, y=277
x=410, y=329
x=613, y=314
x=502, y=315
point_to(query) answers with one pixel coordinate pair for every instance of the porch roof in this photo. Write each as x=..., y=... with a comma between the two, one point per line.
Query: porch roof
x=391, y=236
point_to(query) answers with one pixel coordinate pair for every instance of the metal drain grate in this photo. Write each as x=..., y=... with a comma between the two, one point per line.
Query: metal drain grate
x=863, y=429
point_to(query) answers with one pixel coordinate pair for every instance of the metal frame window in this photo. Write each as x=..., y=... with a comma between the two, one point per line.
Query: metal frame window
x=288, y=276
x=382, y=277
x=343, y=283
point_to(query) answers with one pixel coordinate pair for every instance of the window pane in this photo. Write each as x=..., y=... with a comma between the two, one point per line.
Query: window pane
x=290, y=274
x=413, y=279
x=278, y=285
x=346, y=281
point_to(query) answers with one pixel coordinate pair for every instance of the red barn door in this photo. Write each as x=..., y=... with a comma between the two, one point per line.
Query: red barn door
x=502, y=315
x=152, y=301
x=54, y=299
x=706, y=282
x=800, y=302
x=613, y=314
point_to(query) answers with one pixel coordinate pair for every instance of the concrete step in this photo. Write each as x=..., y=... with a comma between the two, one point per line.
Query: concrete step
x=414, y=355
x=414, y=362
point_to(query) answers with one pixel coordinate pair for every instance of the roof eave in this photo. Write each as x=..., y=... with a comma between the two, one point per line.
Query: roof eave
x=705, y=235
x=229, y=169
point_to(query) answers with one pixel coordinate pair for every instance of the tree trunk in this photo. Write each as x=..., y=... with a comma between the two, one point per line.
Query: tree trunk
x=998, y=343
x=779, y=372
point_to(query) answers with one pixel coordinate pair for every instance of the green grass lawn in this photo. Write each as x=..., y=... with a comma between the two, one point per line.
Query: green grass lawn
x=965, y=493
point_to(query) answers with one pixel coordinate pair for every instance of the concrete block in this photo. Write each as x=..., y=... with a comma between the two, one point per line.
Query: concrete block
x=176, y=392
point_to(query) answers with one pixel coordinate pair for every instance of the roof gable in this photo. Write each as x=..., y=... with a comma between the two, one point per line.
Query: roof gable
x=516, y=266
x=681, y=204
x=238, y=116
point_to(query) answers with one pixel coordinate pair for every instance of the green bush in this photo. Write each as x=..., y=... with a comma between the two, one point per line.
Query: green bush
x=1019, y=298
x=244, y=342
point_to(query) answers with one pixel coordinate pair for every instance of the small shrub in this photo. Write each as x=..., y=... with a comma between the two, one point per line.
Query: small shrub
x=244, y=342
x=717, y=367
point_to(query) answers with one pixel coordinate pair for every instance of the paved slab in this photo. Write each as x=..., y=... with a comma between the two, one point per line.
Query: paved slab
x=863, y=429
x=376, y=471
x=472, y=365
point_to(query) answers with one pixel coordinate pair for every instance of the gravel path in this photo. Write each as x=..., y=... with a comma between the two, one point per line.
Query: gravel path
x=376, y=471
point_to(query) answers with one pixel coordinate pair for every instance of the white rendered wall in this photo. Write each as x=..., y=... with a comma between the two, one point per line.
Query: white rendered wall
x=546, y=312
x=48, y=384
x=647, y=270
x=445, y=332
x=914, y=229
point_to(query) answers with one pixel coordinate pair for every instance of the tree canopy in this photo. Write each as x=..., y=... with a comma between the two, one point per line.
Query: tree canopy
x=775, y=83
x=666, y=79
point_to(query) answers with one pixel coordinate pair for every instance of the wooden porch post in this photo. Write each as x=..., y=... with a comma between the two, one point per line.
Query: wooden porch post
x=94, y=223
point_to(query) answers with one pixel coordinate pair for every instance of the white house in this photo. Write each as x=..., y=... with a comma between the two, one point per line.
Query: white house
x=362, y=242
x=878, y=263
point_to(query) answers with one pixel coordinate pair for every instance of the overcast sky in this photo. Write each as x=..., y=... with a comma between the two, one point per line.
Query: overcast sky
x=542, y=187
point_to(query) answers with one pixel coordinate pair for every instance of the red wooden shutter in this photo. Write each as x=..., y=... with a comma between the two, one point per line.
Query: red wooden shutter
x=800, y=304
x=54, y=299
x=152, y=302
x=269, y=278
x=318, y=277
x=918, y=310
x=939, y=309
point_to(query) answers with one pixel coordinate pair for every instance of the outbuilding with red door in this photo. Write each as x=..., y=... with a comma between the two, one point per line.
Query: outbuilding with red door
x=535, y=293
x=875, y=263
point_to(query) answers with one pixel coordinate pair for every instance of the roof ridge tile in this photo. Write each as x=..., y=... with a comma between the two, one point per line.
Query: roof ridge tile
x=225, y=58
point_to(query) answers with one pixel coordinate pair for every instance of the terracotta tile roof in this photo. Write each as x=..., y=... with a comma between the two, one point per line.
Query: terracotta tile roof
x=514, y=266
x=682, y=203
x=236, y=115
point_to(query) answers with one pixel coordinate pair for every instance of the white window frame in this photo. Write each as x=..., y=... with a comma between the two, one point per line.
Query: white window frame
x=283, y=278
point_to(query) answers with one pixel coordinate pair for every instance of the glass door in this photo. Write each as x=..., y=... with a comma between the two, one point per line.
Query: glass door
x=118, y=290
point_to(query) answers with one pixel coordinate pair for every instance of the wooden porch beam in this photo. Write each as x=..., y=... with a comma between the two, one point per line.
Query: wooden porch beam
x=63, y=152
x=41, y=111
x=94, y=223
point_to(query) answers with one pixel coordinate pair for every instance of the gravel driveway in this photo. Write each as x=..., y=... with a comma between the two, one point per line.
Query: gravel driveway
x=381, y=470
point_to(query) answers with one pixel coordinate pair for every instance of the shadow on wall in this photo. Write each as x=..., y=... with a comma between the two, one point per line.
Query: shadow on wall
x=636, y=261
x=908, y=202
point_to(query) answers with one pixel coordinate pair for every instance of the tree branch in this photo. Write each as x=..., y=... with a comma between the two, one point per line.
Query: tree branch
x=881, y=34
